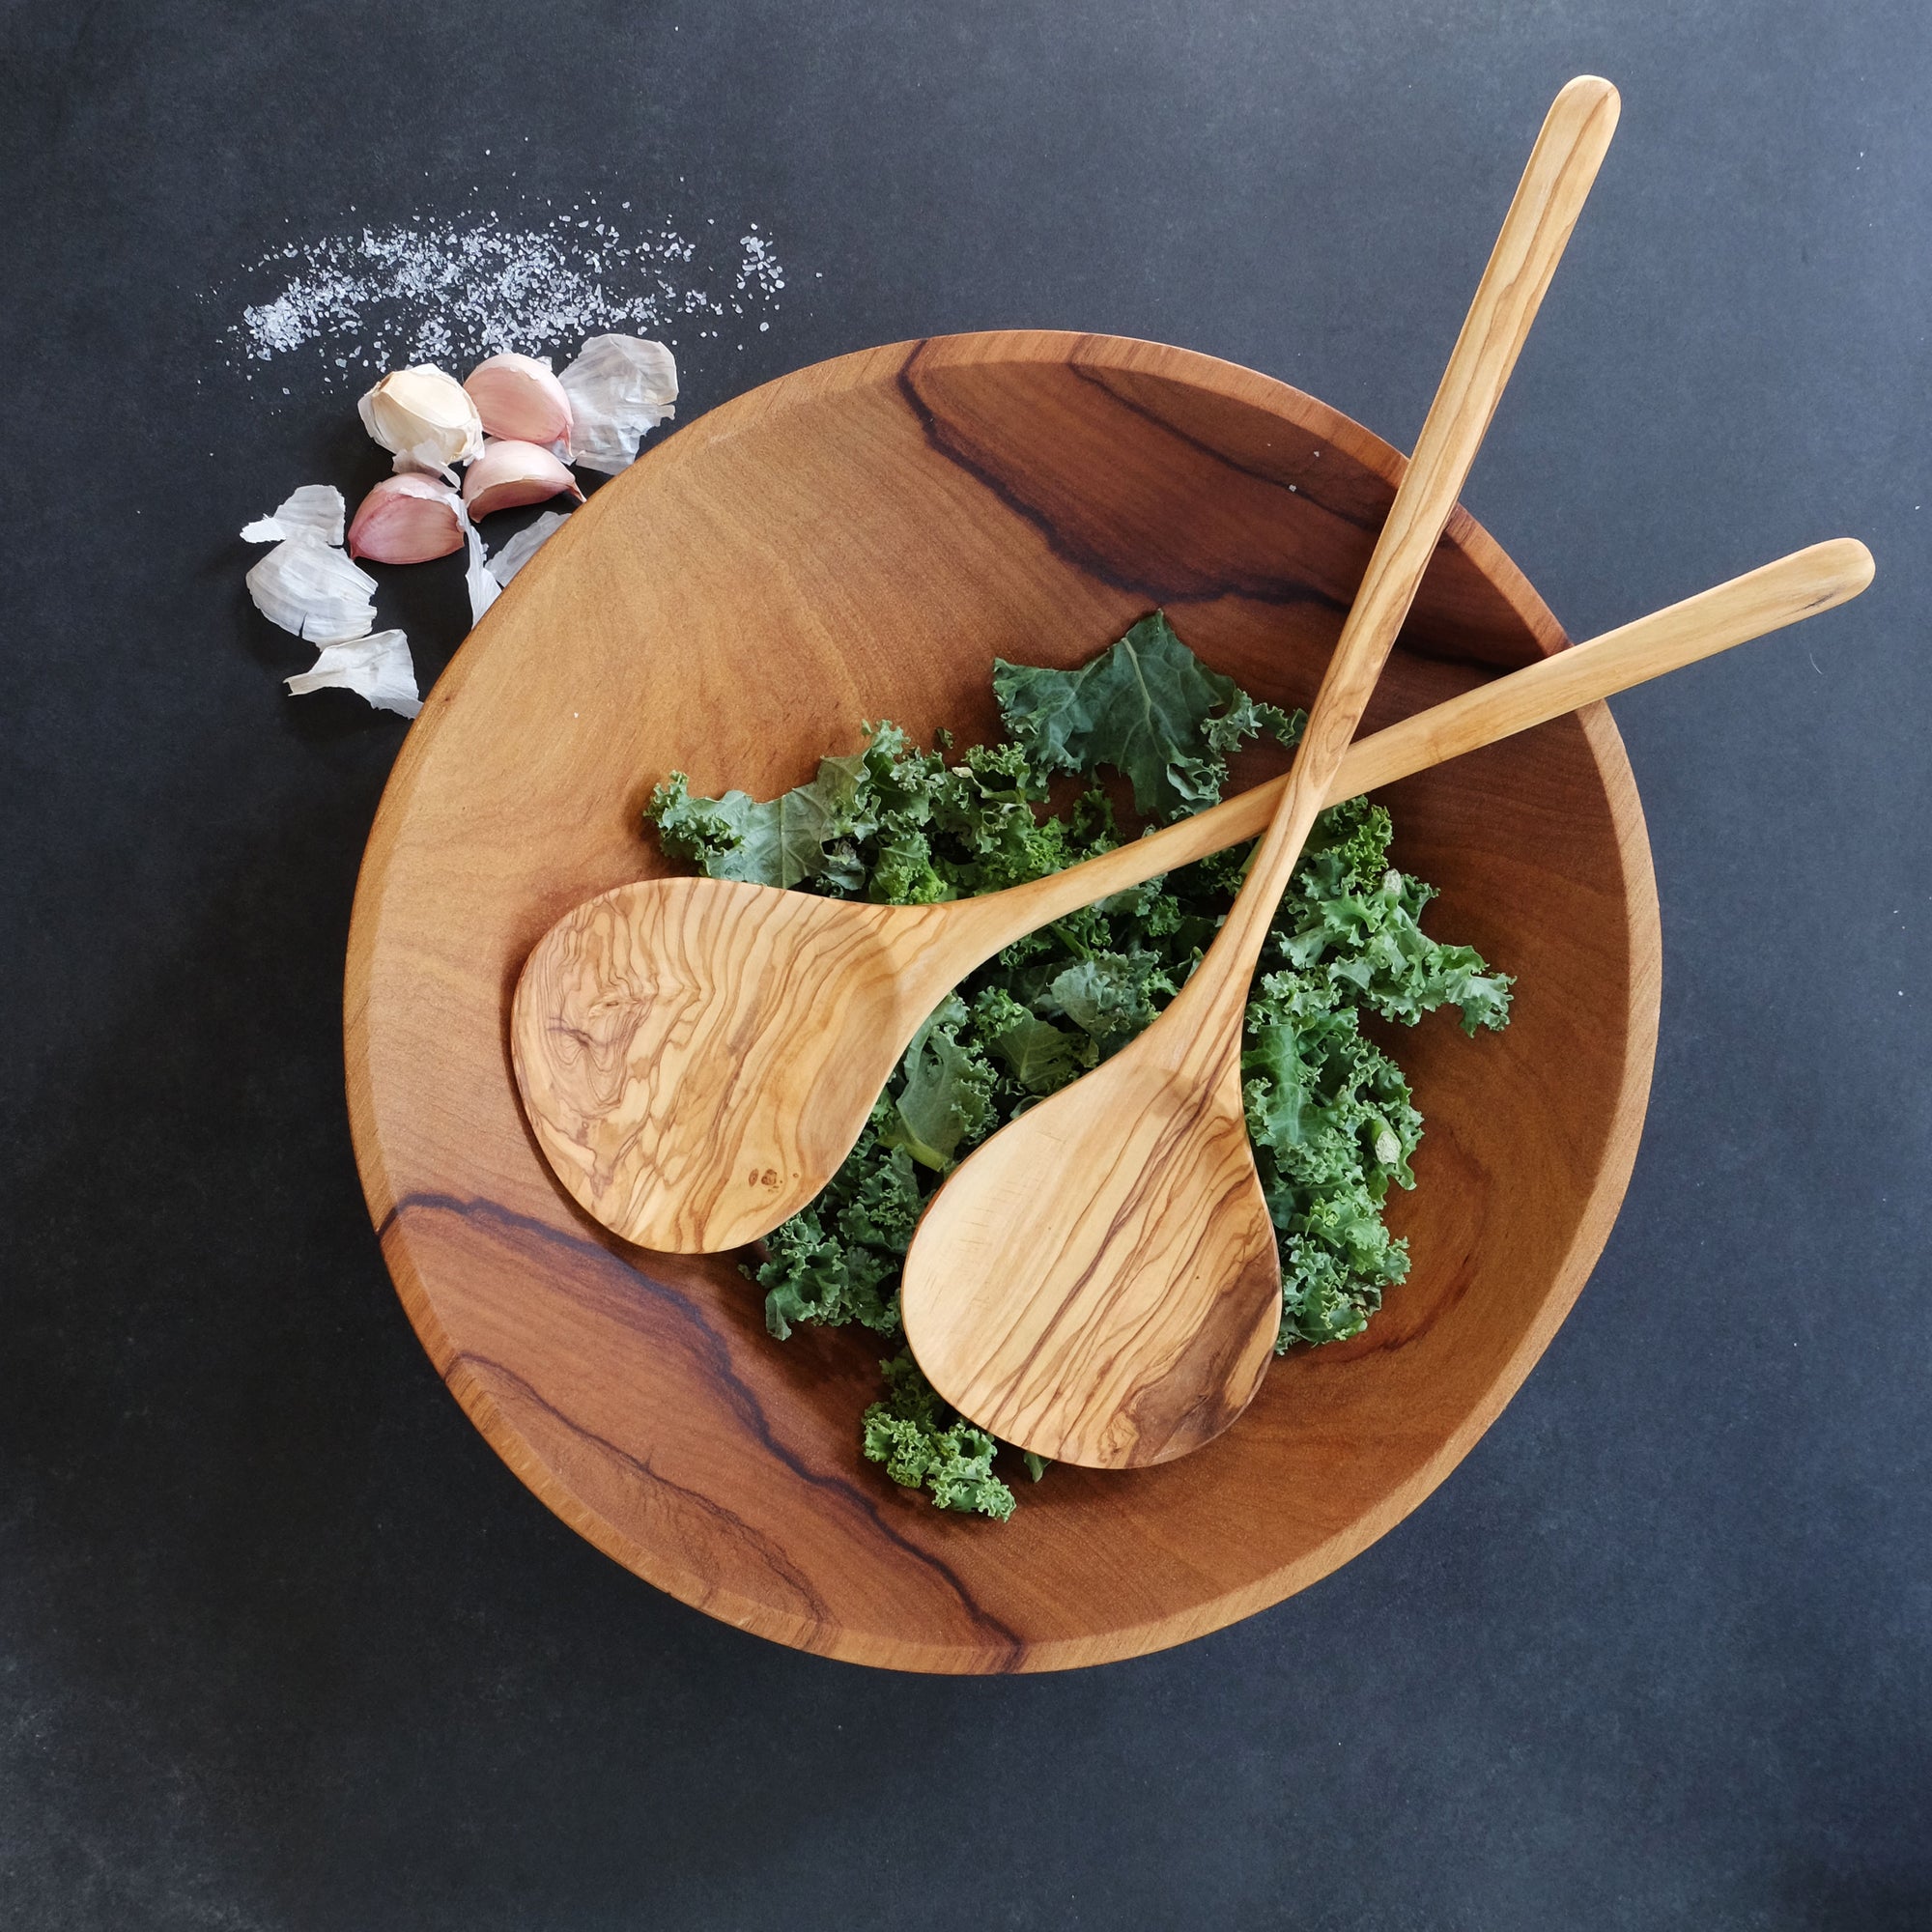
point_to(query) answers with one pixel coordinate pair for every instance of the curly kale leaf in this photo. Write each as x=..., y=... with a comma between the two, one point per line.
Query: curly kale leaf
x=781, y=842
x=1039, y=1056
x=1148, y=707
x=943, y=1094
x=1108, y=996
x=1332, y=1126
x=839, y=1260
x=924, y=1444
x=1351, y=916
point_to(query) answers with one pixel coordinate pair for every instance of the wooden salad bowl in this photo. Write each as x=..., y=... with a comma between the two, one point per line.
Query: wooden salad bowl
x=859, y=540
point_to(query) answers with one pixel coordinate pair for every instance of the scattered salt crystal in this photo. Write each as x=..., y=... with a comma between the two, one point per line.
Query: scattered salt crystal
x=456, y=289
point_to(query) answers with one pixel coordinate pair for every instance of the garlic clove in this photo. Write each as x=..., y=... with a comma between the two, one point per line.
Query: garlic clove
x=517, y=396
x=621, y=388
x=524, y=545
x=426, y=417
x=407, y=519
x=378, y=668
x=311, y=588
x=316, y=507
x=510, y=473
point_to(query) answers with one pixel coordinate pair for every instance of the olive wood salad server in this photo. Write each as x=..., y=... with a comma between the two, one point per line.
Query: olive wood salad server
x=1098, y=1282
x=632, y=975
x=935, y=1304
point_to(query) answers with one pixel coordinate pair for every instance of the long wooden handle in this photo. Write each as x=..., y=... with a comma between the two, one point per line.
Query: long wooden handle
x=1767, y=599
x=1562, y=166
x=1752, y=606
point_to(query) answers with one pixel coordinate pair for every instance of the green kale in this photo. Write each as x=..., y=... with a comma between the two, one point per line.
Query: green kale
x=1149, y=707
x=804, y=834
x=1328, y=1111
x=1040, y=1056
x=1351, y=913
x=924, y=1444
x=943, y=1093
x=839, y=1260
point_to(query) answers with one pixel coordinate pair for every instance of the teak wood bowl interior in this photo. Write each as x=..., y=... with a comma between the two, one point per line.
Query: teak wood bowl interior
x=859, y=540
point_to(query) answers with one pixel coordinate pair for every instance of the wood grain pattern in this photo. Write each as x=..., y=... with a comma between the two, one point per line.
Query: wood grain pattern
x=696, y=1056
x=697, y=1064
x=1100, y=1282
x=917, y=511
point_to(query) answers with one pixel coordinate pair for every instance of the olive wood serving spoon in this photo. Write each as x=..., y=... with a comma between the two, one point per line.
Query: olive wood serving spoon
x=1098, y=1282
x=658, y=966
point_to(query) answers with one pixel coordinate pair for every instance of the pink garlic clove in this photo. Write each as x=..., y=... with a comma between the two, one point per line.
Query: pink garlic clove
x=407, y=519
x=519, y=399
x=509, y=472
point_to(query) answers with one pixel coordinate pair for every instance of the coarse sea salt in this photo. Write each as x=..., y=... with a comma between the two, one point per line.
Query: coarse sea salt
x=452, y=289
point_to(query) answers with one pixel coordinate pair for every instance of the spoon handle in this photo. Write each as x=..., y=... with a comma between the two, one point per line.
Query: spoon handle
x=1562, y=166
x=1818, y=578
x=1808, y=580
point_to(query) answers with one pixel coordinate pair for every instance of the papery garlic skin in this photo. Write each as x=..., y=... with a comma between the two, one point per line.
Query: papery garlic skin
x=378, y=668
x=316, y=509
x=407, y=519
x=621, y=388
x=509, y=474
x=524, y=544
x=425, y=417
x=519, y=397
x=483, y=588
x=311, y=588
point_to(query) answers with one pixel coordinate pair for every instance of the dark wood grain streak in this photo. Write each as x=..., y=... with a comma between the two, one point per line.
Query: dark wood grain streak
x=1118, y=557
x=624, y=1285
x=1423, y=636
x=1473, y=596
x=794, y=561
x=769, y=1551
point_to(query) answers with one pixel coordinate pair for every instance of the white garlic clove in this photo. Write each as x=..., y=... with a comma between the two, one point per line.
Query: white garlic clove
x=425, y=417
x=524, y=545
x=407, y=519
x=311, y=588
x=316, y=508
x=621, y=388
x=378, y=668
x=517, y=396
x=509, y=472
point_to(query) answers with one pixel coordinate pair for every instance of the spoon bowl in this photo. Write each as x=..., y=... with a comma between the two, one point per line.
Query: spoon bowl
x=1165, y=1323
x=773, y=1017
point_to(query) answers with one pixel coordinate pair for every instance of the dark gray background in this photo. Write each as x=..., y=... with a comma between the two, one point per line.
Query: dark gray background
x=282, y=1645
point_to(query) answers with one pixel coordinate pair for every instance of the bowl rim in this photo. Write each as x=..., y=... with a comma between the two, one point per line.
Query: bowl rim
x=815, y=382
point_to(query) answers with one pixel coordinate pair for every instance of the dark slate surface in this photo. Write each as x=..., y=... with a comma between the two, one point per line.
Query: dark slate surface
x=283, y=1645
